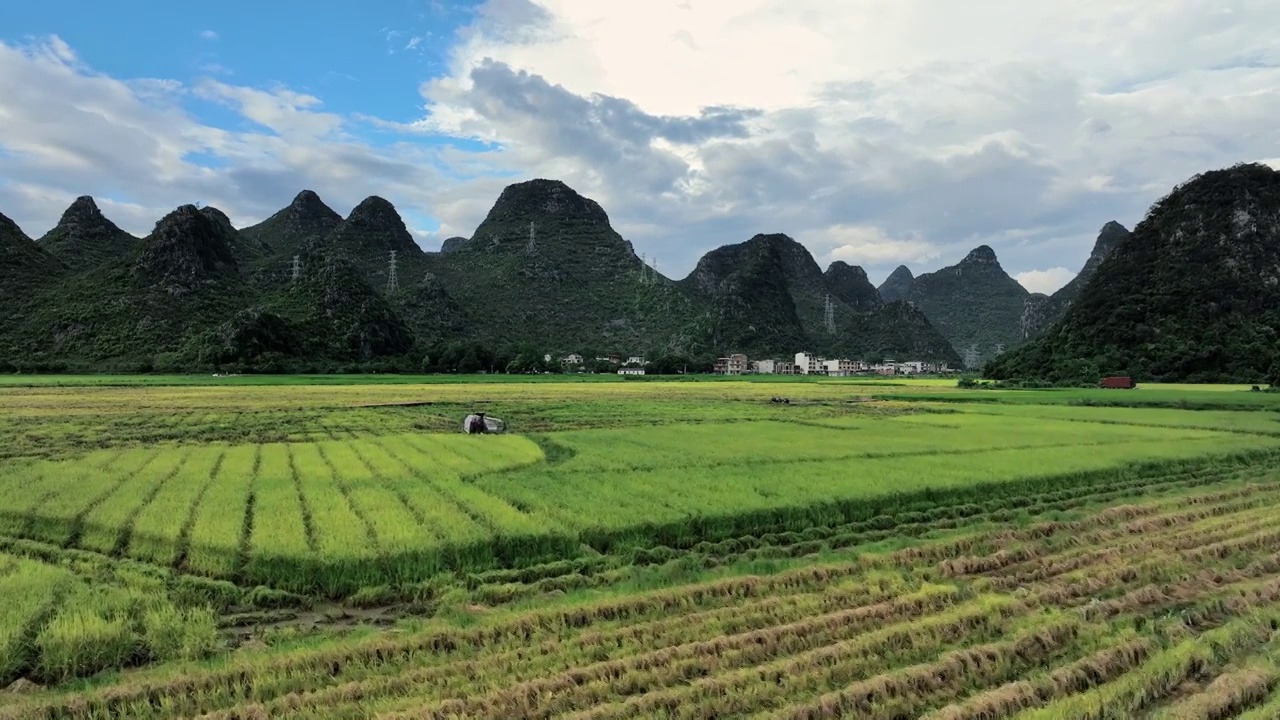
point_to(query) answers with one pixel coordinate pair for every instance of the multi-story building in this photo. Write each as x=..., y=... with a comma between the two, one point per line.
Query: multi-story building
x=774, y=367
x=735, y=364
x=842, y=367
x=808, y=364
x=571, y=359
x=885, y=368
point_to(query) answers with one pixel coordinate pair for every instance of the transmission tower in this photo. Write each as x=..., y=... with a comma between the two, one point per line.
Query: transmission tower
x=999, y=348
x=971, y=356
x=532, y=249
x=829, y=315
x=296, y=270
x=653, y=276
x=644, y=270
x=392, y=284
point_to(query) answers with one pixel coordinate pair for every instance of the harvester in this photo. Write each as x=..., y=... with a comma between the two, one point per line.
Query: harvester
x=479, y=423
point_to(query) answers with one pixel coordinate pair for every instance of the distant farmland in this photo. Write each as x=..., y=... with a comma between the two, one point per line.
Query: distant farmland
x=255, y=549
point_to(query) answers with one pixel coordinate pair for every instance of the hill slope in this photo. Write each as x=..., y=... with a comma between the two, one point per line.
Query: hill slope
x=293, y=229
x=974, y=303
x=1111, y=235
x=897, y=285
x=849, y=284
x=545, y=271
x=84, y=238
x=124, y=314
x=546, y=267
x=1193, y=294
x=768, y=296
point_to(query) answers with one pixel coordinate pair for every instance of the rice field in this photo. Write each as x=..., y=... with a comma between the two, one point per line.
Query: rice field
x=685, y=550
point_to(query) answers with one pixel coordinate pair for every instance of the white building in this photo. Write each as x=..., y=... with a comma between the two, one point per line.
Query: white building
x=885, y=368
x=736, y=364
x=572, y=359
x=631, y=371
x=807, y=364
x=773, y=367
x=636, y=360
x=842, y=367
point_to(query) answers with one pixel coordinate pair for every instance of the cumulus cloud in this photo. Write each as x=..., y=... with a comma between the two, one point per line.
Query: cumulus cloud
x=1044, y=281
x=209, y=34
x=66, y=130
x=893, y=131
x=869, y=245
x=1017, y=125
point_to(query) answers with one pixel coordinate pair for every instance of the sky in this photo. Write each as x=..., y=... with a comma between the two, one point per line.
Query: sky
x=878, y=132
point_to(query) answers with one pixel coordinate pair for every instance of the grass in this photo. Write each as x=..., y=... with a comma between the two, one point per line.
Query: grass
x=880, y=548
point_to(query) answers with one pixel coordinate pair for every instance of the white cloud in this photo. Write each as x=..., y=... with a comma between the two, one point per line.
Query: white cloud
x=209, y=35
x=1044, y=281
x=66, y=130
x=954, y=124
x=913, y=129
x=860, y=244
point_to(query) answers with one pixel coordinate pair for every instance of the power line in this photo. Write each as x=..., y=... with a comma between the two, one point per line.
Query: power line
x=392, y=284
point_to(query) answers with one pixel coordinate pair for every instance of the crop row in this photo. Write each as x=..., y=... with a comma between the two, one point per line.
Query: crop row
x=772, y=619
x=502, y=586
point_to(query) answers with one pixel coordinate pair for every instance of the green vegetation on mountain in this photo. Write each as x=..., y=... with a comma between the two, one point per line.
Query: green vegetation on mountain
x=451, y=244
x=749, y=295
x=897, y=285
x=849, y=284
x=974, y=304
x=140, y=312
x=545, y=266
x=24, y=268
x=84, y=238
x=296, y=228
x=1193, y=294
x=769, y=297
x=1111, y=235
x=307, y=289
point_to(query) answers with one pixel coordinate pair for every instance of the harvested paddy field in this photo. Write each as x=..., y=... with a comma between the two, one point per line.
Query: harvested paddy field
x=637, y=549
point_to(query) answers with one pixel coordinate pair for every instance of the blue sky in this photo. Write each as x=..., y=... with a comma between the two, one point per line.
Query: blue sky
x=877, y=132
x=361, y=57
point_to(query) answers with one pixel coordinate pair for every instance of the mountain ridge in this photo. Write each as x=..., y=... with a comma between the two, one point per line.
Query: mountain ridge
x=544, y=268
x=1192, y=294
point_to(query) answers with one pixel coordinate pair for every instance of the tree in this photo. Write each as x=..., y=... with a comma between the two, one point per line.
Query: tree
x=470, y=362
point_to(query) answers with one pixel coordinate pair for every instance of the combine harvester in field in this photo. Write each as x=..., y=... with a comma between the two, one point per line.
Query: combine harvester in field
x=479, y=423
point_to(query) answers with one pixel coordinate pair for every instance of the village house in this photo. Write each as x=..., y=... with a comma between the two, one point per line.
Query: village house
x=631, y=371
x=808, y=364
x=885, y=368
x=842, y=367
x=636, y=360
x=735, y=364
x=774, y=367
x=571, y=359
